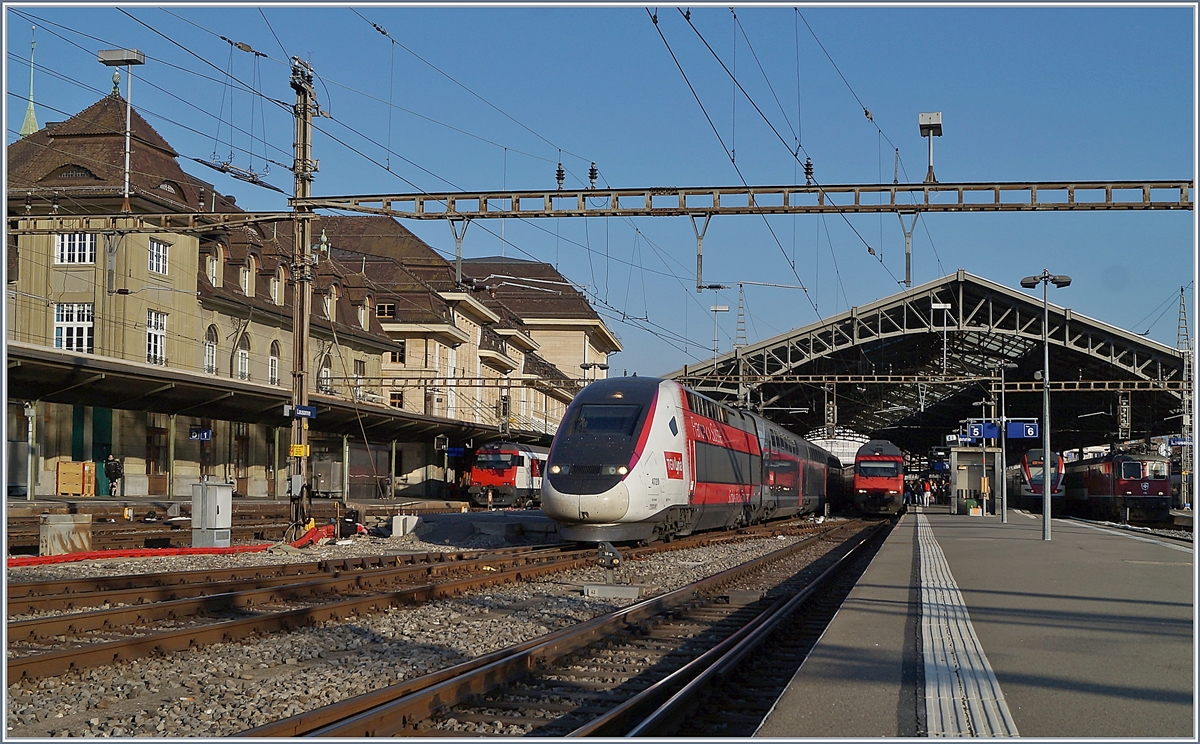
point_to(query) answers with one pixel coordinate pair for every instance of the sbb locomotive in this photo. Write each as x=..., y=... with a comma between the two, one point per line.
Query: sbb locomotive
x=639, y=458
x=507, y=474
x=878, y=478
x=1119, y=485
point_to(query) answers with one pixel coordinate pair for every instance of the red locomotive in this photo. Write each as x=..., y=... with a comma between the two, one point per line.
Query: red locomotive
x=507, y=474
x=1120, y=486
x=879, y=478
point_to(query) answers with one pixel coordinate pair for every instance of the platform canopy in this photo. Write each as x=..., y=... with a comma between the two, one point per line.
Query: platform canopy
x=880, y=368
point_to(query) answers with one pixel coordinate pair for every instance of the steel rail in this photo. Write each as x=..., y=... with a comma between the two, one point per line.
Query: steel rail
x=729, y=653
x=106, y=588
x=287, y=589
x=57, y=662
x=389, y=710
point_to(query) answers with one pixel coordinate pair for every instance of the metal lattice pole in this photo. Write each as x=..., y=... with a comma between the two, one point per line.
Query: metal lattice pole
x=1185, y=350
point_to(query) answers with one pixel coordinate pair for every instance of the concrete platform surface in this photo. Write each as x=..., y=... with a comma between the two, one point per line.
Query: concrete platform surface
x=1090, y=634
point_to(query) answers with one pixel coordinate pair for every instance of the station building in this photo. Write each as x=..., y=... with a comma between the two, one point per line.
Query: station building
x=168, y=342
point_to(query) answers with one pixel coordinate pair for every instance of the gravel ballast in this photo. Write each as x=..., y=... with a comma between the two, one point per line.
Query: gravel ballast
x=224, y=689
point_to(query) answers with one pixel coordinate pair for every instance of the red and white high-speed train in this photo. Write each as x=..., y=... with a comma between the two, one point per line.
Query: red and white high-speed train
x=641, y=458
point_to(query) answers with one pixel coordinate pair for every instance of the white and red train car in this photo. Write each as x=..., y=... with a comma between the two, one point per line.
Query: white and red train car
x=640, y=458
x=1025, y=482
x=1118, y=485
x=507, y=474
x=878, y=478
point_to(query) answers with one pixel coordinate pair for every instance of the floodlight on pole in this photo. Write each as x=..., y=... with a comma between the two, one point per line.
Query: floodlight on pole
x=128, y=58
x=1029, y=282
x=931, y=126
x=717, y=309
x=944, y=307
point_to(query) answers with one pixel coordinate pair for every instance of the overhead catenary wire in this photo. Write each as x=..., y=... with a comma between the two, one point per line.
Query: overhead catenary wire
x=654, y=19
x=252, y=88
x=870, y=249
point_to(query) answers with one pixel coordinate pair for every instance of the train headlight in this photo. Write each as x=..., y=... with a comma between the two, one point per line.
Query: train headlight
x=556, y=469
x=622, y=470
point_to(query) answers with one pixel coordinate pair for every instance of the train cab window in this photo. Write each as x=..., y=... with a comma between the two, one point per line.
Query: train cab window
x=878, y=469
x=1156, y=470
x=603, y=418
x=493, y=460
x=1131, y=470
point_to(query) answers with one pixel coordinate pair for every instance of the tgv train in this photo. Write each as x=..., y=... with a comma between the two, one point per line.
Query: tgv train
x=1105, y=487
x=878, y=478
x=639, y=458
x=1025, y=482
x=507, y=474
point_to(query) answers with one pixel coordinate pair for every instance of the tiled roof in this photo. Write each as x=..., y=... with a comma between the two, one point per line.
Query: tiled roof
x=530, y=288
x=85, y=156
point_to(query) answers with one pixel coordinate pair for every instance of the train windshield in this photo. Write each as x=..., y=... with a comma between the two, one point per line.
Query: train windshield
x=878, y=469
x=604, y=419
x=1156, y=470
x=494, y=460
x=1131, y=470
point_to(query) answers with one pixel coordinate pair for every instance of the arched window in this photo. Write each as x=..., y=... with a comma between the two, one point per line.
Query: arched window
x=273, y=364
x=277, y=286
x=325, y=376
x=210, y=350
x=242, y=358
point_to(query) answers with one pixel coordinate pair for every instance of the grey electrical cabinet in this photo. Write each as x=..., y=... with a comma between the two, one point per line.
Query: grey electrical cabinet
x=212, y=514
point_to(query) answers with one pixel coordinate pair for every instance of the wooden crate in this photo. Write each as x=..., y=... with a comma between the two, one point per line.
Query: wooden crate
x=76, y=479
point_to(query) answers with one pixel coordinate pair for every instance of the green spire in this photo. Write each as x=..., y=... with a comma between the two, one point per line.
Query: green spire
x=30, y=125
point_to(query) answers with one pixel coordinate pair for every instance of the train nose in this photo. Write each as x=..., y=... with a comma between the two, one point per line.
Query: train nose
x=607, y=506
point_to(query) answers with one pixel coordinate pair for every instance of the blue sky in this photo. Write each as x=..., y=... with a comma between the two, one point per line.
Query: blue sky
x=1027, y=94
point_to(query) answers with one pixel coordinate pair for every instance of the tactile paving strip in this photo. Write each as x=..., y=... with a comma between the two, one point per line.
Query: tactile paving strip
x=962, y=695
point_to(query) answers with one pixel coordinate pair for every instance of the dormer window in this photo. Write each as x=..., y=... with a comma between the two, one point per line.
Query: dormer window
x=331, y=303
x=167, y=187
x=385, y=310
x=74, y=171
x=277, y=288
x=244, y=280
x=251, y=271
x=214, y=266
x=364, y=315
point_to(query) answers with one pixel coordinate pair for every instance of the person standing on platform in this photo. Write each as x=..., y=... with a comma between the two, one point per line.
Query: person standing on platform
x=114, y=471
x=925, y=488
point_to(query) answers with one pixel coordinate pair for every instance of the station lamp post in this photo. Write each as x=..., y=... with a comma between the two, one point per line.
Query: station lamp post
x=1029, y=282
x=931, y=126
x=985, y=485
x=1002, y=366
x=126, y=58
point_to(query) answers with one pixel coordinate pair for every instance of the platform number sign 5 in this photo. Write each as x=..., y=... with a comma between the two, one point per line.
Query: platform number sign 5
x=975, y=431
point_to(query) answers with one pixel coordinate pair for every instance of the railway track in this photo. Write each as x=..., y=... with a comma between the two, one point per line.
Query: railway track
x=603, y=676
x=50, y=645
x=57, y=626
